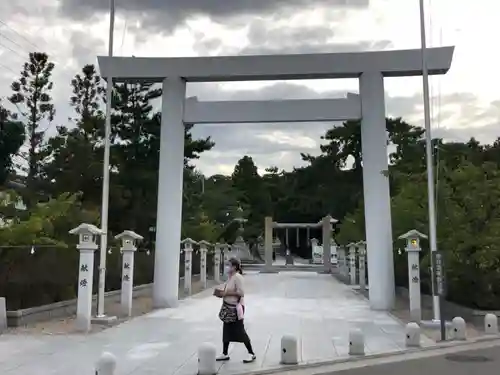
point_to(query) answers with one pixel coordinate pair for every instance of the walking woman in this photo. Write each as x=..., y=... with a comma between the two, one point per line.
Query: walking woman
x=232, y=311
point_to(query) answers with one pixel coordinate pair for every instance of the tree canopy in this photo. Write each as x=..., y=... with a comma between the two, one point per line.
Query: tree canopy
x=11, y=139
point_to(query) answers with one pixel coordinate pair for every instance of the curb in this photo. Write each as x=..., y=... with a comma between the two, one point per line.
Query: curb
x=460, y=345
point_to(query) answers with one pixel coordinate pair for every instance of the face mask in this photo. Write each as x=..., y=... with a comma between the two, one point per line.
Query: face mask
x=227, y=270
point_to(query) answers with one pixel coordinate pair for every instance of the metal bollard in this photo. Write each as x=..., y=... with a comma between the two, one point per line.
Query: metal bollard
x=106, y=364
x=490, y=324
x=356, y=342
x=412, y=335
x=459, y=328
x=289, y=350
x=206, y=359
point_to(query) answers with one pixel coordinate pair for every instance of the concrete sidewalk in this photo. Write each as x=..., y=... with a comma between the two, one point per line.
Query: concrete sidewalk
x=316, y=308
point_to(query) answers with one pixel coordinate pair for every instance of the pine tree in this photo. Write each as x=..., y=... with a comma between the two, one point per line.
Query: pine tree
x=138, y=129
x=133, y=122
x=136, y=155
x=32, y=96
x=76, y=153
x=88, y=94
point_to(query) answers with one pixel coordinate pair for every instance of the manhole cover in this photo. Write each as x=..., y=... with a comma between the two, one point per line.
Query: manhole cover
x=467, y=358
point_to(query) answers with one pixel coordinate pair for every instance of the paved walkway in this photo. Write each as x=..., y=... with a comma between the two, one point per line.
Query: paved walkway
x=316, y=308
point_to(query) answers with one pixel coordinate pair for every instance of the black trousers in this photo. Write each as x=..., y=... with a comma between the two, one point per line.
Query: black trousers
x=235, y=332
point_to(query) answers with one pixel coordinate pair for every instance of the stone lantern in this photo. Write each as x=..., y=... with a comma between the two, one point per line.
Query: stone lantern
x=203, y=262
x=352, y=262
x=87, y=245
x=188, y=264
x=362, y=264
x=128, y=249
x=413, y=250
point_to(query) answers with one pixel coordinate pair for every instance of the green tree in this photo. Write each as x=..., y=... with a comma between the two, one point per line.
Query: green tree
x=88, y=95
x=137, y=159
x=468, y=229
x=201, y=228
x=246, y=179
x=252, y=195
x=76, y=153
x=219, y=201
x=36, y=244
x=344, y=142
x=32, y=96
x=11, y=139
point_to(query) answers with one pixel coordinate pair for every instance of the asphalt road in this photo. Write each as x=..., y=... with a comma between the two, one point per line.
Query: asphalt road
x=475, y=357
x=473, y=362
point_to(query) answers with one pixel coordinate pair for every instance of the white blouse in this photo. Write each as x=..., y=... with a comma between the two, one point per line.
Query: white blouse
x=234, y=284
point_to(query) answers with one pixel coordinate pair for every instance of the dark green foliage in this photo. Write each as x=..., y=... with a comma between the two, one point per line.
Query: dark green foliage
x=11, y=139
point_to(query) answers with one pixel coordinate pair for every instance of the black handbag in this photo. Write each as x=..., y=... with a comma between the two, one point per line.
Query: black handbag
x=228, y=313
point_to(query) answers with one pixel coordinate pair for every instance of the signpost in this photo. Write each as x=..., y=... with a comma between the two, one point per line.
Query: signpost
x=439, y=286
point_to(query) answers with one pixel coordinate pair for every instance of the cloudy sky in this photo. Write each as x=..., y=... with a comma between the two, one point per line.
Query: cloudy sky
x=465, y=102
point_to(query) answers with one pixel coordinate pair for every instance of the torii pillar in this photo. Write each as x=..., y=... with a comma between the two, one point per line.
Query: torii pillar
x=377, y=200
x=170, y=181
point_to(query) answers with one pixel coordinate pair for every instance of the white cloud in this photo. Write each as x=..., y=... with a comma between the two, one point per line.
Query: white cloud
x=463, y=104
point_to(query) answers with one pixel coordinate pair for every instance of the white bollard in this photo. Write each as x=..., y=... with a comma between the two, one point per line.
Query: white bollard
x=459, y=328
x=106, y=364
x=490, y=324
x=206, y=359
x=412, y=335
x=356, y=342
x=289, y=350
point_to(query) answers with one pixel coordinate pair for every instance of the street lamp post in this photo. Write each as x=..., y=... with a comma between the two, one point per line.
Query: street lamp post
x=105, y=177
x=429, y=159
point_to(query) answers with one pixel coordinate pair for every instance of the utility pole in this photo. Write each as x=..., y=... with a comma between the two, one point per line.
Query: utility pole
x=430, y=162
x=105, y=174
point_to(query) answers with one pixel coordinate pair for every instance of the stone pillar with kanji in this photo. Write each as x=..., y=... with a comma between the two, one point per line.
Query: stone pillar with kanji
x=268, y=243
x=217, y=257
x=128, y=248
x=413, y=250
x=362, y=265
x=314, y=242
x=342, y=260
x=327, y=242
x=87, y=245
x=226, y=257
x=188, y=264
x=203, y=262
x=352, y=263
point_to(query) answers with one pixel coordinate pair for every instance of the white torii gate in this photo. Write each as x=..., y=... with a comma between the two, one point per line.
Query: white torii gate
x=259, y=111
x=369, y=67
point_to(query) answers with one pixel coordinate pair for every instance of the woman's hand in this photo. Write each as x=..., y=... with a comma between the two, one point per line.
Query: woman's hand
x=218, y=293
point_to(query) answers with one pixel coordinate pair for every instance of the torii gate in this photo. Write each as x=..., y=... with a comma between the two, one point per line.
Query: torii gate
x=369, y=67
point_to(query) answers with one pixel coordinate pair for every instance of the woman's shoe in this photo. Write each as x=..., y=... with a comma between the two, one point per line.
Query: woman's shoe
x=250, y=358
x=222, y=357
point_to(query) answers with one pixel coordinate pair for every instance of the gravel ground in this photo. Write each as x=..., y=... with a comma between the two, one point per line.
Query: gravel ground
x=63, y=326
